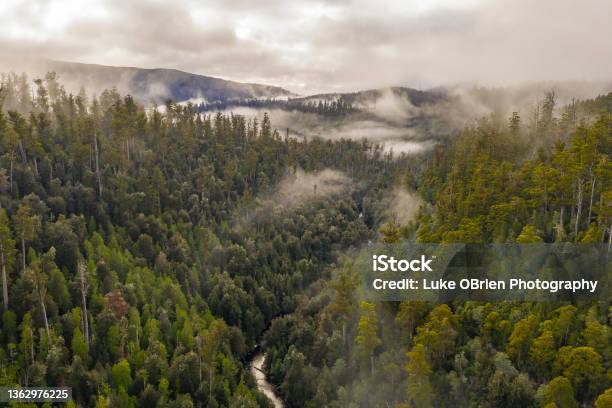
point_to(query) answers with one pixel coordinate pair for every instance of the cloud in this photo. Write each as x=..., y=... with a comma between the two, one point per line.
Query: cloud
x=404, y=205
x=296, y=189
x=395, y=137
x=300, y=187
x=320, y=45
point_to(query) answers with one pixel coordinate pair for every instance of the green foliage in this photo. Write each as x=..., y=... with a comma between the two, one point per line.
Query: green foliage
x=438, y=333
x=521, y=339
x=7, y=254
x=582, y=366
x=420, y=391
x=122, y=374
x=78, y=345
x=604, y=400
x=559, y=391
x=521, y=183
x=542, y=353
x=367, y=339
x=168, y=213
x=190, y=257
x=528, y=235
x=391, y=232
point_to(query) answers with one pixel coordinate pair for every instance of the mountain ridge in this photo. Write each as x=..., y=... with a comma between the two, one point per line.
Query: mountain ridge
x=147, y=84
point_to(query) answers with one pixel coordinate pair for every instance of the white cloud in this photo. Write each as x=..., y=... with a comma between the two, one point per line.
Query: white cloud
x=324, y=45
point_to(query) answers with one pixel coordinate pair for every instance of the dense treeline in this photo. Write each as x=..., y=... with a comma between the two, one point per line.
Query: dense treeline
x=548, y=180
x=488, y=187
x=143, y=255
x=337, y=107
x=127, y=270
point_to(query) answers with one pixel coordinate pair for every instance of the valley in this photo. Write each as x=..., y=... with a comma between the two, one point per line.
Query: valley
x=146, y=251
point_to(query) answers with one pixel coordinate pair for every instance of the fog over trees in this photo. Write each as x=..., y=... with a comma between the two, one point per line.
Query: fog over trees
x=145, y=253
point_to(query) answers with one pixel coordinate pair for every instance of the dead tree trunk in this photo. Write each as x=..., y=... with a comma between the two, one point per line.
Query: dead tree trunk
x=578, y=207
x=44, y=310
x=4, y=278
x=97, y=151
x=11, y=173
x=23, y=153
x=82, y=269
x=23, y=252
x=591, y=200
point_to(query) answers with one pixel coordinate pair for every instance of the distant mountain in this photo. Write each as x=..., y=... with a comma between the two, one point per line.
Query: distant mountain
x=400, y=105
x=368, y=97
x=394, y=104
x=147, y=85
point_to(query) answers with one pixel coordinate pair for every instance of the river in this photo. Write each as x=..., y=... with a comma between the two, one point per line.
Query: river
x=257, y=369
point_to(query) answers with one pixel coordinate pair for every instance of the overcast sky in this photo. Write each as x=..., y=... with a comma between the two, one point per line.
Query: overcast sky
x=311, y=45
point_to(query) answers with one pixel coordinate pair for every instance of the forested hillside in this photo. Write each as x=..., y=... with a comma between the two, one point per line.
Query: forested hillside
x=144, y=84
x=145, y=254
x=546, y=179
x=129, y=270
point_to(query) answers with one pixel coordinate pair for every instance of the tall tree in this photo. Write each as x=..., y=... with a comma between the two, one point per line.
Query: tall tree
x=208, y=346
x=368, y=340
x=26, y=227
x=344, y=299
x=559, y=392
x=84, y=286
x=37, y=273
x=420, y=391
x=7, y=248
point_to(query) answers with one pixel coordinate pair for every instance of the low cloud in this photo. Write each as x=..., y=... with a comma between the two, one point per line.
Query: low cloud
x=410, y=122
x=322, y=45
x=404, y=206
x=300, y=187
x=295, y=189
x=395, y=137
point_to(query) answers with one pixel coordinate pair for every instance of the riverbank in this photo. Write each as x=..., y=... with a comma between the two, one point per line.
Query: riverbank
x=257, y=369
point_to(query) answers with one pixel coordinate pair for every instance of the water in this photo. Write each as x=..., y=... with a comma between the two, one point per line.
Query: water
x=257, y=367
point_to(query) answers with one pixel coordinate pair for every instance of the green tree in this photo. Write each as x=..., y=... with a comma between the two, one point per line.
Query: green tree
x=543, y=352
x=592, y=235
x=563, y=322
x=582, y=366
x=410, y=314
x=559, y=391
x=514, y=123
x=26, y=227
x=438, y=334
x=604, y=400
x=368, y=340
x=7, y=245
x=420, y=391
x=28, y=342
x=528, y=235
x=208, y=344
x=344, y=300
x=391, y=233
x=78, y=345
x=122, y=374
x=520, y=340
x=597, y=336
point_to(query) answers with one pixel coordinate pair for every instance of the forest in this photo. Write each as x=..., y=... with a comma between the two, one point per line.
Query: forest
x=334, y=108
x=145, y=254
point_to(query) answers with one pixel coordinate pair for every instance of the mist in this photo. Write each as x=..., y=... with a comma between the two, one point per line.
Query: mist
x=389, y=117
x=300, y=187
x=404, y=205
x=327, y=46
x=297, y=188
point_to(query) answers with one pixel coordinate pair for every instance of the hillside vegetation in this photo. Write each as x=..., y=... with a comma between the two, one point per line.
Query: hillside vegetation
x=144, y=255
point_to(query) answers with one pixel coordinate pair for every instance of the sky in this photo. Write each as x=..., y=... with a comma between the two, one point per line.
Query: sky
x=310, y=46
